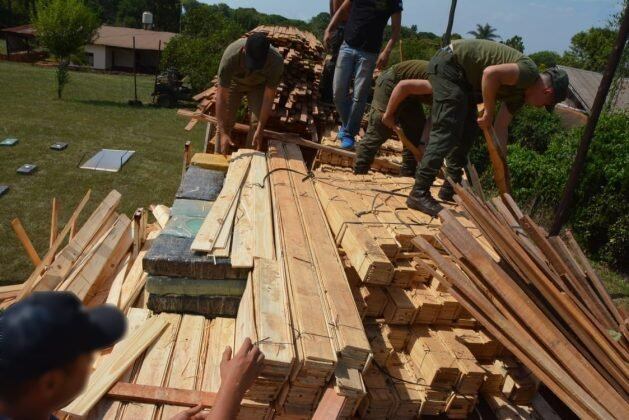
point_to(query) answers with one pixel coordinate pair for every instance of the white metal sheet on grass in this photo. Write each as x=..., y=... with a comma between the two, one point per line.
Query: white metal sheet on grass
x=108, y=160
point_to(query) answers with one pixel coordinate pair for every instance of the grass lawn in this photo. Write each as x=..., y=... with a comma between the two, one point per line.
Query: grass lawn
x=93, y=114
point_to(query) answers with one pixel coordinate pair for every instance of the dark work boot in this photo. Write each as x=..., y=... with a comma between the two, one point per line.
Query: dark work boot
x=446, y=192
x=422, y=200
x=361, y=170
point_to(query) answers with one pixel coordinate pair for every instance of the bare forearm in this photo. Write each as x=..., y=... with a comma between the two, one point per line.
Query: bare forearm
x=489, y=85
x=226, y=405
x=397, y=96
x=222, y=102
x=267, y=105
x=338, y=16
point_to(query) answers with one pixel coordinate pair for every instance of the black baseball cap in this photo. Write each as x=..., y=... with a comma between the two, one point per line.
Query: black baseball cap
x=256, y=50
x=559, y=81
x=47, y=330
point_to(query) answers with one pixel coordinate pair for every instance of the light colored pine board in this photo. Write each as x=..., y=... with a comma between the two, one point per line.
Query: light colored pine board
x=54, y=221
x=21, y=234
x=217, y=219
x=241, y=255
x=161, y=214
x=306, y=301
x=34, y=278
x=154, y=367
x=347, y=325
x=136, y=278
x=107, y=408
x=63, y=263
x=222, y=331
x=114, y=366
x=186, y=357
x=113, y=297
x=263, y=244
x=105, y=259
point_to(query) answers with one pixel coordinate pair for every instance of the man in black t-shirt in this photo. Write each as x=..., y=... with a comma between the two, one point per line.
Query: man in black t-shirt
x=359, y=55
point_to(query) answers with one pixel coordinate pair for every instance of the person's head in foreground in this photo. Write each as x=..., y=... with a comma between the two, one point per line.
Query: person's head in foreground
x=46, y=346
x=256, y=51
x=549, y=89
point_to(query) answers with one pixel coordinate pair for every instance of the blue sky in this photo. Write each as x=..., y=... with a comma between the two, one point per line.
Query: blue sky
x=544, y=24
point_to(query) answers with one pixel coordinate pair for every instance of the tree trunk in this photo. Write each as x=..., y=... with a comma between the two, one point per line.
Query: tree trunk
x=448, y=34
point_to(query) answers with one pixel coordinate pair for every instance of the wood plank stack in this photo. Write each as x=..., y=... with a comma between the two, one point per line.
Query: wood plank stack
x=542, y=301
x=418, y=332
x=324, y=319
x=295, y=108
x=391, y=150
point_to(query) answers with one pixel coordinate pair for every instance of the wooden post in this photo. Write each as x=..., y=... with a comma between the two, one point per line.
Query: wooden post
x=135, y=75
x=599, y=101
x=26, y=241
x=498, y=157
x=54, y=221
x=186, y=157
x=448, y=34
x=407, y=143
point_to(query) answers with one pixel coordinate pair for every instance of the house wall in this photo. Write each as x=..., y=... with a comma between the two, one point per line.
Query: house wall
x=122, y=58
x=102, y=57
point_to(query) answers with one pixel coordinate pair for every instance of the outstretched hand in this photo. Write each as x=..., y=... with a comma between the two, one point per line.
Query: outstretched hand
x=239, y=372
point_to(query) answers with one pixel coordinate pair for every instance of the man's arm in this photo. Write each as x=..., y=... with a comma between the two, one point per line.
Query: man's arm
x=501, y=125
x=265, y=112
x=404, y=89
x=222, y=102
x=396, y=27
x=336, y=19
x=493, y=78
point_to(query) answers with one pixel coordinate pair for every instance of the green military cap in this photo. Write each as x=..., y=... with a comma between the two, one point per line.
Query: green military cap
x=559, y=80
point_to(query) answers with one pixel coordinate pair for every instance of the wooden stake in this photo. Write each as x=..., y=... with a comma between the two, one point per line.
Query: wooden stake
x=25, y=240
x=187, y=150
x=498, y=157
x=407, y=143
x=54, y=216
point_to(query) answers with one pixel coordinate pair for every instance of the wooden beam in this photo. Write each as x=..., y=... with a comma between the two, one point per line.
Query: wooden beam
x=161, y=214
x=54, y=216
x=289, y=138
x=25, y=241
x=31, y=282
x=498, y=158
x=108, y=372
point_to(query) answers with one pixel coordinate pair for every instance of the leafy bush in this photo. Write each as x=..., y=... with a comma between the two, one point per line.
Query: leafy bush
x=600, y=211
x=197, y=51
x=533, y=128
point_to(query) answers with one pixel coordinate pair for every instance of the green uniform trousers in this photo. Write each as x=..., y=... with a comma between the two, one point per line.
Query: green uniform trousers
x=454, y=126
x=410, y=115
x=255, y=97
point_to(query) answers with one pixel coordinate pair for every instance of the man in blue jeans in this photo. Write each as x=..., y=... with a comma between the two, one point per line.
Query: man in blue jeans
x=359, y=55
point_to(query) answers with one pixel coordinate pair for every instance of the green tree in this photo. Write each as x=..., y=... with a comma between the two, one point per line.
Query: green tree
x=63, y=28
x=515, y=42
x=545, y=59
x=590, y=49
x=485, y=31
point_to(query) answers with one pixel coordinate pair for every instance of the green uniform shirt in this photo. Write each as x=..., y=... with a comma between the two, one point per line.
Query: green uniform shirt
x=411, y=69
x=232, y=68
x=475, y=55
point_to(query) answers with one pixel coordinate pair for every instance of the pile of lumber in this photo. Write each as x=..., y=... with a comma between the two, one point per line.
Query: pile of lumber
x=295, y=108
x=391, y=151
x=540, y=297
x=181, y=280
x=430, y=356
x=328, y=333
x=99, y=262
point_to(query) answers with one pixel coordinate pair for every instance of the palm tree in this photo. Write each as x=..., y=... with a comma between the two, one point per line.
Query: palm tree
x=485, y=31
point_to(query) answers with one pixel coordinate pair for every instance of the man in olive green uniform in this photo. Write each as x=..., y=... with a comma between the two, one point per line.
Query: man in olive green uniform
x=249, y=67
x=399, y=93
x=466, y=73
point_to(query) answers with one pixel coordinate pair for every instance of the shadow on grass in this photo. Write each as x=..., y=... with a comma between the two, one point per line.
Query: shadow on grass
x=113, y=104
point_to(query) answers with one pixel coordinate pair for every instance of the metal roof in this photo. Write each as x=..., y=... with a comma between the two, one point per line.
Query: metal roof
x=584, y=85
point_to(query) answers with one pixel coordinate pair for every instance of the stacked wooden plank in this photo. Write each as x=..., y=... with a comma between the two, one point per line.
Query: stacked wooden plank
x=240, y=225
x=295, y=108
x=101, y=262
x=391, y=150
x=542, y=301
x=427, y=350
x=324, y=319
